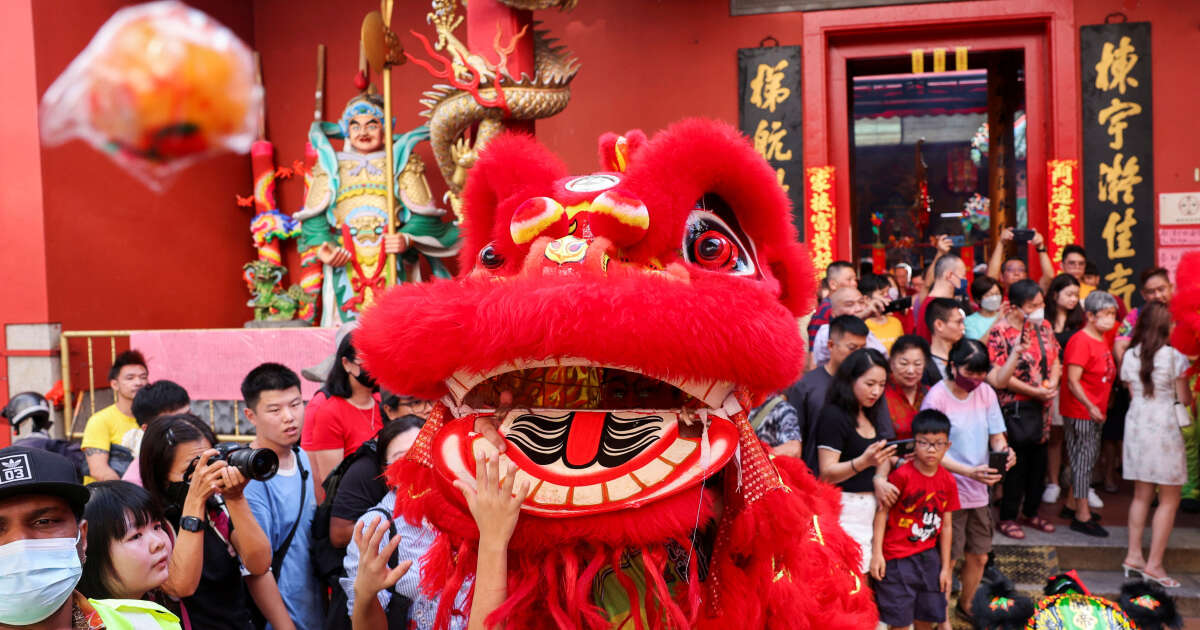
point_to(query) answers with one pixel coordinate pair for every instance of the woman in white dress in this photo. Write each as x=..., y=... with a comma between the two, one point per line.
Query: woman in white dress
x=1154, y=455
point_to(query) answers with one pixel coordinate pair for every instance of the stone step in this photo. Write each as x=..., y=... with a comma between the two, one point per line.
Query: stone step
x=1074, y=550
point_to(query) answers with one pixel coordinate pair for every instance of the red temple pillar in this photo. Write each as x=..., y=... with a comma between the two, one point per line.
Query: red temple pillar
x=484, y=19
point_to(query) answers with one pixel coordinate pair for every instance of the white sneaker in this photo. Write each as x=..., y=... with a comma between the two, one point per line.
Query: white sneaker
x=1094, y=501
x=1050, y=494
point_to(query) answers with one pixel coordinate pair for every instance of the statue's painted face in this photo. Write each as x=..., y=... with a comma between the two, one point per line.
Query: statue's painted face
x=366, y=133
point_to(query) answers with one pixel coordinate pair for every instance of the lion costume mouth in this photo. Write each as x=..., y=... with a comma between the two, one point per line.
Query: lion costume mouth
x=589, y=438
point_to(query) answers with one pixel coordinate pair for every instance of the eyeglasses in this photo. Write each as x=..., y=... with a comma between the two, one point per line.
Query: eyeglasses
x=931, y=446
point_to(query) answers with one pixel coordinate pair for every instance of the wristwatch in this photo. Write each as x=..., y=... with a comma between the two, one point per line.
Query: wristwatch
x=1042, y=249
x=191, y=524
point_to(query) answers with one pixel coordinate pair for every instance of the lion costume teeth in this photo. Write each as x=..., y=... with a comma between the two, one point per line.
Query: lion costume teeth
x=622, y=324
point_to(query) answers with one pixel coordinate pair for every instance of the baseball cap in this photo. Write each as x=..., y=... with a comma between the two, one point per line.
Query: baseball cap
x=25, y=470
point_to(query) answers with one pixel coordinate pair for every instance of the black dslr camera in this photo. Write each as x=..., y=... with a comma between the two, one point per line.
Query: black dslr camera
x=257, y=464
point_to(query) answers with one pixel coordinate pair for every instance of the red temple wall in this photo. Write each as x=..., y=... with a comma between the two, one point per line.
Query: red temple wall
x=117, y=255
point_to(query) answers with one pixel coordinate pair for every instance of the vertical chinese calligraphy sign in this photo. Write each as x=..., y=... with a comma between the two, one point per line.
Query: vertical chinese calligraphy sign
x=769, y=112
x=1118, y=167
x=1063, y=181
x=822, y=215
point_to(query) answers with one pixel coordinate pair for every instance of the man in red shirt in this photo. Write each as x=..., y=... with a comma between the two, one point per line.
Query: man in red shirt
x=910, y=559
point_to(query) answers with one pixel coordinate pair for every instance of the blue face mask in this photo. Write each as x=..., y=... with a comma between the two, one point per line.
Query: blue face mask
x=37, y=577
x=962, y=287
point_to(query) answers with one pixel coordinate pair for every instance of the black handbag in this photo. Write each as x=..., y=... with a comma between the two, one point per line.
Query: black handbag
x=1024, y=421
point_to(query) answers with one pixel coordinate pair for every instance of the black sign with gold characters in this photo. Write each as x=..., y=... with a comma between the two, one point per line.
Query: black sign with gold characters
x=769, y=112
x=1118, y=154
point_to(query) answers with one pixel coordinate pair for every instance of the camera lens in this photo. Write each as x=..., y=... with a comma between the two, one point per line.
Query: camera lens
x=258, y=464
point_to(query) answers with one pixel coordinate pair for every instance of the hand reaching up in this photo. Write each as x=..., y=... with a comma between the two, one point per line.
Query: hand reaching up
x=493, y=502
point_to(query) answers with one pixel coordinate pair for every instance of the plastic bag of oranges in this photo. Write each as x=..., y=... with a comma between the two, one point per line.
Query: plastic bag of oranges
x=160, y=86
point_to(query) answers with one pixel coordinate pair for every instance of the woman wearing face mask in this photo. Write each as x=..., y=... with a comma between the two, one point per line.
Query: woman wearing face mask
x=348, y=418
x=976, y=430
x=986, y=293
x=1025, y=402
x=129, y=549
x=905, y=392
x=216, y=534
x=852, y=450
x=1090, y=372
x=1065, y=314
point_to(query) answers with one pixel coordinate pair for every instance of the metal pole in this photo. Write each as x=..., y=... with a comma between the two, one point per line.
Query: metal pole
x=91, y=377
x=390, y=270
x=64, y=359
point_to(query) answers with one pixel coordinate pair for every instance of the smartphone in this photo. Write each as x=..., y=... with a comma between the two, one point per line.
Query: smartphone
x=1022, y=235
x=903, y=447
x=898, y=305
x=998, y=460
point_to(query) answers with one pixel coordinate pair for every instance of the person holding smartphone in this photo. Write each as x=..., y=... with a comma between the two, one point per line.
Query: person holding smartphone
x=976, y=429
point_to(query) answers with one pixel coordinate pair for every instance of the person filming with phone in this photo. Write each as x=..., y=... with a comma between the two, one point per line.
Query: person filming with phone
x=976, y=430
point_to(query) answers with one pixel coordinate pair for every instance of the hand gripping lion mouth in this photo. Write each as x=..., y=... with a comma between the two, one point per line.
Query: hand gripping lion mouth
x=617, y=328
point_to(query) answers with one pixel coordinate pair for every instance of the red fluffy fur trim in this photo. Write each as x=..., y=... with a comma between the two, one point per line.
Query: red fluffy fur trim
x=714, y=326
x=1185, y=305
x=787, y=563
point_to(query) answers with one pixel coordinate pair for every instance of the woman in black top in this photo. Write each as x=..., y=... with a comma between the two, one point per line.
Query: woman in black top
x=851, y=449
x=216, y=534
x=1065, y=313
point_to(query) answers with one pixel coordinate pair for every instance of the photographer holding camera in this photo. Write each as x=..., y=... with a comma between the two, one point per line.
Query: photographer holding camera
x=217, y=539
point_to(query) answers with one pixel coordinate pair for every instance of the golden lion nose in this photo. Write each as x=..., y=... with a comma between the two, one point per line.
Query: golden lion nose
x=567, y=249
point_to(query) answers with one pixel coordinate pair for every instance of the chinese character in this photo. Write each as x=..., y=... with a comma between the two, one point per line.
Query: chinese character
x=1119, y=282
x=1118, y=233
x=1117, y=62
x=769, y=142
x=766, y=90
x=1115, y=116
x=780, y=174
x=1117, y=180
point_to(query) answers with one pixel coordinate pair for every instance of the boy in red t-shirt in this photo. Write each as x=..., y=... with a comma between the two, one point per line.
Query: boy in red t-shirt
x=910, y=559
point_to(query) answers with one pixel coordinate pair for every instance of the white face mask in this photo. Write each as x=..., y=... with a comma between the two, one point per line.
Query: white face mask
x=1037, y=316
x=893, y=293
x=991, y=302
x=38, y=575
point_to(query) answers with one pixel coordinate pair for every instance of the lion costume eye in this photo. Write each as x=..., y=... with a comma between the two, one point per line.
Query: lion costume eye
x=711, y=243
x=489, y=258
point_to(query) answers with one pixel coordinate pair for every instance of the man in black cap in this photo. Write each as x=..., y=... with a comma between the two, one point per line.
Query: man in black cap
x=42, y=539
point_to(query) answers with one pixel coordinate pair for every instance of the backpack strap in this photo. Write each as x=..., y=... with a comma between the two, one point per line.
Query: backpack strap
x=277, y=559
x=764, y=412
x=394, y=560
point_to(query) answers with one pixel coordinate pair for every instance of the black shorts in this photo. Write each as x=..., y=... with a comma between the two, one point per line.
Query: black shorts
x=909, y=590
x=1114, y=423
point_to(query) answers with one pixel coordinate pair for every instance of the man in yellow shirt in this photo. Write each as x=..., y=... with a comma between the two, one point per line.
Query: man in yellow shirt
x=107, y=429
x=886, y=327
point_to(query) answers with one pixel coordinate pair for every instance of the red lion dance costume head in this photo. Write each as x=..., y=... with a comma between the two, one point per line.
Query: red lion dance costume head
x=634, y=315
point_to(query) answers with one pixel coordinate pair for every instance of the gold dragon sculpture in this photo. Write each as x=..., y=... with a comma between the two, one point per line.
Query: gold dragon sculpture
x=480, y=98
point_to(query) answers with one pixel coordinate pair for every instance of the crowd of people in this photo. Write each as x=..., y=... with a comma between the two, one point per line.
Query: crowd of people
x=942, y=406
x=174, y=529
x=939, y=404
